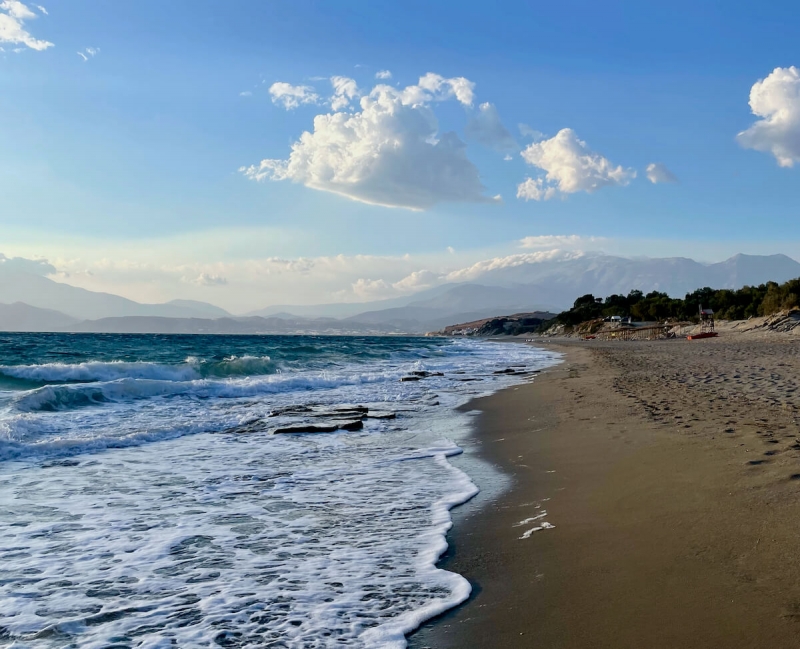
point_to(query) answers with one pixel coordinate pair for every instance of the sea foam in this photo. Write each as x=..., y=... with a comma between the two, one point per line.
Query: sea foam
x=176, y=534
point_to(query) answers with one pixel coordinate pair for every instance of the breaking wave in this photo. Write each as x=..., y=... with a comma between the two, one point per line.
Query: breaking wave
x=94, y=371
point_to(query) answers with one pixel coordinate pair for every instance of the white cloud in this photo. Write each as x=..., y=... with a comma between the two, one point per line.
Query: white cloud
x=776, y=100
x=441, y=89
x=389, y=153
x=417, y=281
x=658, y=173
x=383, y=74
x=570, y=167
x=207, y=279
x=290, y=96
x=371, y=289
x=485, y=127
x=88, y=53
x=534, y=189
x=550, y=241
x=13, y=15
x=345, y=90
x=246, y=93
x=42, y=9
x=511, y=261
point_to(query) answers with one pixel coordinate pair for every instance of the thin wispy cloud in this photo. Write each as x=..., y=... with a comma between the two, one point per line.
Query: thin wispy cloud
x=487, y=128
x=658, y=173
x=383, y=74
x=88, y=53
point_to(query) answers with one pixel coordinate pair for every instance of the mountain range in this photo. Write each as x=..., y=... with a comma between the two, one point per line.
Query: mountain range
x=30, y=301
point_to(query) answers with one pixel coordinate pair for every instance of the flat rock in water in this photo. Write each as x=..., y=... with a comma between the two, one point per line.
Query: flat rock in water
x=351, y=409
x=320, y=428
x=425, y=374
x=410, y=378
x=289, y=410
x=509, y=370
x=381, y=415
x=351, y=425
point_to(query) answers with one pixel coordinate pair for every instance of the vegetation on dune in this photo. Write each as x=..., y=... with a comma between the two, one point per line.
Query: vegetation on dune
x=727, y=304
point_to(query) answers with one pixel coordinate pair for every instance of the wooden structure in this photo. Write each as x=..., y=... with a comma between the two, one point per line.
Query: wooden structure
x=706, y=320
x=653, y=332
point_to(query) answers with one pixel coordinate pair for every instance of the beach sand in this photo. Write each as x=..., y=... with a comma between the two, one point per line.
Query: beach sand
x=670, y=471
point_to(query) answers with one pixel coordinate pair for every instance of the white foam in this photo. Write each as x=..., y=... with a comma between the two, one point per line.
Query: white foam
x=192, y=369
x=544, y=526
x=325, y=540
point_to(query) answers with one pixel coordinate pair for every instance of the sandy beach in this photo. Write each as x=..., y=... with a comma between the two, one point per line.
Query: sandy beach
x=670, y=474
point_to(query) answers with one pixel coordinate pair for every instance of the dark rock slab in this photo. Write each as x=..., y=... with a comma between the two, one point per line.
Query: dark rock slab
x=320, y=428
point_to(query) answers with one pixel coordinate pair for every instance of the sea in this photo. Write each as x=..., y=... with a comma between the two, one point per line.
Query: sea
x=234, y=491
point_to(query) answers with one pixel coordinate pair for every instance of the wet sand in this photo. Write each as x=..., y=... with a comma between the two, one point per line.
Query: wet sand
x=671, y=474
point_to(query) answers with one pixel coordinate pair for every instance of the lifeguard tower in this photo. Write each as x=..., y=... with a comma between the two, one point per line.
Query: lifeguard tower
x=706, y=320
x=706, y=325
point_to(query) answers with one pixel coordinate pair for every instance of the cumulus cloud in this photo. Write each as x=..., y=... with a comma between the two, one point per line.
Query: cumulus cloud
x=487, y=128
x=776, y=100
x=383, y=74
x=434, y=87
x=291, y=97
x=13, y=16
x=570, y=167
x=417, y=281
x=344, y=91
x=510, y=261
x=371, y=288
x=658, y=173
x=88, y=53
x=389, y=153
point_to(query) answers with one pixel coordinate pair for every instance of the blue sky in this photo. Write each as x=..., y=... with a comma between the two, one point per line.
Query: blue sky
x=123, y=167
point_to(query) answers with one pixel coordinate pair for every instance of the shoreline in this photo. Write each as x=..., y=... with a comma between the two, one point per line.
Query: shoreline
x=675, y=513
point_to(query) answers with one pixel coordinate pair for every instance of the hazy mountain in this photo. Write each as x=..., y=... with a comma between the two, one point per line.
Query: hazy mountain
x=345, y=309
x=248, y=325
x=23, y=317
x=561, y=281
x=199, y=308
x=509, y=286
x=554, y=285
x=18, y=285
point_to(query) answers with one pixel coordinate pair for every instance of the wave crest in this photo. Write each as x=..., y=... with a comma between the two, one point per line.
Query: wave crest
x=97, y=371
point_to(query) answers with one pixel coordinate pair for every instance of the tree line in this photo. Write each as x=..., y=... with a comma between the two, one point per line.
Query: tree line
x=727, y=304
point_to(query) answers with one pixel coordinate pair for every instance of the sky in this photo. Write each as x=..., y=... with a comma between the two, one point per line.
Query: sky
x=260, y=152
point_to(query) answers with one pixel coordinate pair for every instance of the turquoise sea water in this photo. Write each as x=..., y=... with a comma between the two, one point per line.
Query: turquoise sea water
x=146, y=502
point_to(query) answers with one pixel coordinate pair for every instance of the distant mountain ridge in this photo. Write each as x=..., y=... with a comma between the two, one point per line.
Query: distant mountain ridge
x=511, y=285
x=39, y=291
